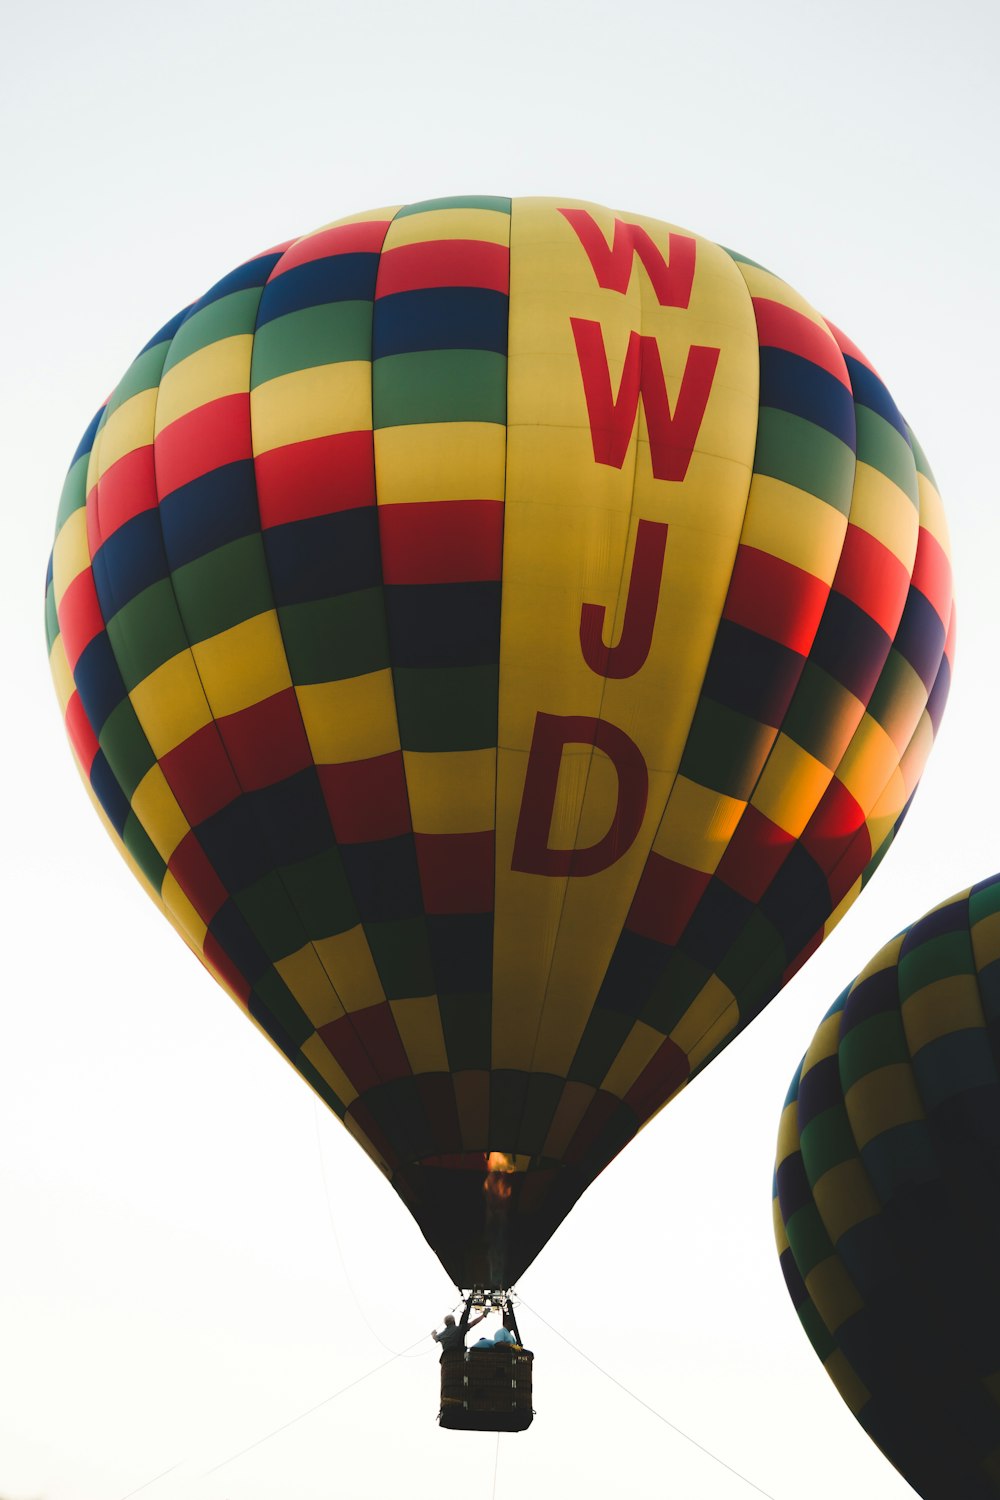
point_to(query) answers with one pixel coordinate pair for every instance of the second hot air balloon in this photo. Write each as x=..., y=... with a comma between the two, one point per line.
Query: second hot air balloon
x=504, y=635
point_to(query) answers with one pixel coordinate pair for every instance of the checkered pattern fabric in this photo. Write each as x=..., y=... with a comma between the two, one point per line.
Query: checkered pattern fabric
x=383, y=517
x=887, y=1210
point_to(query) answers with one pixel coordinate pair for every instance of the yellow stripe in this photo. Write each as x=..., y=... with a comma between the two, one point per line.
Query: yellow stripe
x=844, y=1198
x=311, y=985
x=155, y=805
x=62, y=677
x=352, y=719
x=451, y=792
x=868, y=764
x=432, y=461
x=825, y=1041
x=639, y=1048
x=312, y=403
x=886, y=512
x=129, y=427
x=881, y=1100
x=791, y=786
x=219, y=369
x=788, y=1132
x=243, y=665
x=569, y=539
x=711, y=1016
x=761, y=283
x=170, y=704
x=700, y=825
x=789, y=523
x=932, y=516
x=852, y=1388
x=419, y=1024
x=71, y=554
x=449, y=224
x=184, y=914
x=315, y=1050
x=834, y=1293
x=347, y=956
x=938, y=1009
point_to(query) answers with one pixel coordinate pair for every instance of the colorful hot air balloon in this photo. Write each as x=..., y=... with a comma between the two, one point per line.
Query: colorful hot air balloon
x=504, y=635
x=887, y=1197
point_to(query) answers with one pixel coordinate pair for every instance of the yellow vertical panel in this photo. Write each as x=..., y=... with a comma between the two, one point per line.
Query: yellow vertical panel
x=348, y=955
x=311, y=985
x=572, y=1107
x=569, y=539
x=850, y=1385
x=315, y=1050
x=218, y=369
x=71, y=553
x=419, y=1024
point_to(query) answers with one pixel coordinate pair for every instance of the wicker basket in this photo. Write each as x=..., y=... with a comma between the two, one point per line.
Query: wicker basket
x=487, y=1390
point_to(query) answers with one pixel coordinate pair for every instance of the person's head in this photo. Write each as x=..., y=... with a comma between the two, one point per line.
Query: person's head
x=449, y=1320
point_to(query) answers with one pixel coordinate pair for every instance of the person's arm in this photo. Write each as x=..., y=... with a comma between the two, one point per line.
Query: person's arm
x=477, y=1320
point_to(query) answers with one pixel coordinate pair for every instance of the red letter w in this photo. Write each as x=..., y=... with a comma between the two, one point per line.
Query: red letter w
x=672, y=434
x=671, y=280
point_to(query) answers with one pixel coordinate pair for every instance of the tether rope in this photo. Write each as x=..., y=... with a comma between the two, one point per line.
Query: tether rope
x=658, y=1414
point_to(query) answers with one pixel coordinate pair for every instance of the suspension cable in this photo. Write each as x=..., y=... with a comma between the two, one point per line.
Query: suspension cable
x=658, y=1414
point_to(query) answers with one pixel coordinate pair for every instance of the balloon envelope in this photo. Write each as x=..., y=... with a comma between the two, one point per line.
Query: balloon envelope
x=503, y=635
x=887, y=1197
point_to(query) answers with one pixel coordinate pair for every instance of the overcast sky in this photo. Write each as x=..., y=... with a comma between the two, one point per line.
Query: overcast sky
x=190, y=1255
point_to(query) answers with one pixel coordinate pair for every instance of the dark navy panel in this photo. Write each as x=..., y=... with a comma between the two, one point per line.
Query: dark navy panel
x=129, y=561
x=231, y=840
x=332, y=278
x=98, y=681
x=384, y=878
x=85, y=444
x=819, y=1090
x=254, y=273
x=443, y=624
x=229, y=928
x=920, y=637
x=951, y=918
x=465, y=317
x=752, y=674
x=292, y=817
x=715, y=924
x=636, y=966
x=324, y=555
x=108, y=793
x=462, y=952
x=850, y=646
x=939, y=694
x=216, y=508
x=794, y=1191
x=797, y=902
x=869, y=391
x=793, y=384
x=874, y=996
x=48, y=573
x=168, y=330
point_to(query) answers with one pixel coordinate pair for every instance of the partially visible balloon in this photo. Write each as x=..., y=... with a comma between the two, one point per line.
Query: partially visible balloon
x=500, y=746
x=887, y=1197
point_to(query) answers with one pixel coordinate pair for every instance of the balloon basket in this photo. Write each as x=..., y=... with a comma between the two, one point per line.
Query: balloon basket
x=486, y=1390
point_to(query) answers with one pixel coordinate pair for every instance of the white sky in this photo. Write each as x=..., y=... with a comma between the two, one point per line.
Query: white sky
x=170, y=1284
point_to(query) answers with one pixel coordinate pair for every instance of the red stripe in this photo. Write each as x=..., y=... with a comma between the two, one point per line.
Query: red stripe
x=366, y=1044
x=848, y=346
x=199, y=773
x=366, y=799
x=781, y=327
x=437, y=1096
x=80, y=617
x=410, y=268
x=266, y=742
x=873, y=578
x=342, y=239
x=932, y=574
x=665, y=899
x=212, y=435
x=800, y=958
x=124, y=491
x=316, y=478
x=661, y=1077
x=81, y=733
x=195, y=874
x=219, y=959
x=456, y=871
x=833, y=827
x=599, y=1112
x=754, y=855
x=442, y=541
x=777, y=600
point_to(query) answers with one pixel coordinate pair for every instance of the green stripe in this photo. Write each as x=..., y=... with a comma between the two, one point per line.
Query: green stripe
x=920, y=457
x=146, y=633
x=402, y=957
x=440, y=385
x=224, y=588
x=126, y=748
x=885, y=449
x=327, y=334
x=898, y=698
x=51, y=618
x=74, y=491
x=804, y=455
x=447, y=708
x=320, y=893
x=725, y=749
x=224, y=319
x=808, y=1239
x=140, y=846
x=744, y=260
x=290, y=1016
x=941, y=957
x=822, y=716
x=329, y=639
x=876, y=1043
x=682, y=979
x=430, y=205
x=826, y=1142
x=984, y=902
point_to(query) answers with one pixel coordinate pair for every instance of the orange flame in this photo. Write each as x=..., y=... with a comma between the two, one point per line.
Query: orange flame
x=499, y=1166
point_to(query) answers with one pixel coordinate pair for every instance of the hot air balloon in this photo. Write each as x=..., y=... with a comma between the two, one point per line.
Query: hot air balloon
x=503, y=635
x=887, y=1197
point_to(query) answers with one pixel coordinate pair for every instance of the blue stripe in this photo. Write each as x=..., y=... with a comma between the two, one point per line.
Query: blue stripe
x=869, y=391
x=333, y=278
x=440, y=318
x=129, y=561
x=218, y=507
x=796, y=385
